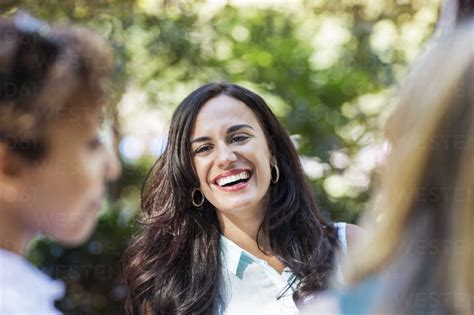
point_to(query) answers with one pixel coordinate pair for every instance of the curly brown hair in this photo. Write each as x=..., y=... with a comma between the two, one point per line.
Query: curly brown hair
x=41, y=69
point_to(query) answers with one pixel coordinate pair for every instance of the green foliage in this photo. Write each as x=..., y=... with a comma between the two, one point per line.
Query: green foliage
x=325, y=67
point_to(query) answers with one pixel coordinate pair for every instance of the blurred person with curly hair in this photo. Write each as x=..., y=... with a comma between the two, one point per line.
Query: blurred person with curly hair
x=54, y=166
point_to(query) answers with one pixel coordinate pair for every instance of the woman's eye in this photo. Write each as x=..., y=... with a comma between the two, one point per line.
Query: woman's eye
x=203, y=149
x=239, y=138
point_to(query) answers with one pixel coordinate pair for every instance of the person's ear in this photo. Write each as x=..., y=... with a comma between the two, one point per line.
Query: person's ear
x=12, y=170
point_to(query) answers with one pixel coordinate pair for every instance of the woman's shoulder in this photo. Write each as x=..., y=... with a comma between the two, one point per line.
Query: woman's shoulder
x=348, y=234
x=353, y=234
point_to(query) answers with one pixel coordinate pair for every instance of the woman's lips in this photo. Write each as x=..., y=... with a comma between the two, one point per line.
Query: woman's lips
x=234, y=188
x=231, y=173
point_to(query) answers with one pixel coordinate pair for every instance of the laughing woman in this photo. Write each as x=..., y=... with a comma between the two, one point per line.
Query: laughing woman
x=230, y=224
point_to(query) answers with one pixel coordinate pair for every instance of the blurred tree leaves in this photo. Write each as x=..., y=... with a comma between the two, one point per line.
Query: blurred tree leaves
x=327, y=69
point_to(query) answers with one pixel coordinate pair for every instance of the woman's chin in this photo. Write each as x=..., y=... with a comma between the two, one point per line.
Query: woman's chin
x=241, y=208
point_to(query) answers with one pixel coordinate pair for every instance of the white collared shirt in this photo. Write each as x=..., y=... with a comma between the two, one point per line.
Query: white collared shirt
x=251, y=286
x=24, y=289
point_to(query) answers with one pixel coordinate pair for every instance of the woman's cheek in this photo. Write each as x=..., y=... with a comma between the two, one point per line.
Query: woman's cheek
x=201, y=172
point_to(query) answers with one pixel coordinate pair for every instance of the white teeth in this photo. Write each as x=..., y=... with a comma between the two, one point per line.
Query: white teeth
x=233, y=178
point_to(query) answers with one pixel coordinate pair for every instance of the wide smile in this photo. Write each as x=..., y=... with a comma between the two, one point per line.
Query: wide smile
x=233, y=180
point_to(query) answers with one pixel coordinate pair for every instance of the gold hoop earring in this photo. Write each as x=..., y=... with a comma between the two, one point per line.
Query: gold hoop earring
x=197, y=204
x=277, y=172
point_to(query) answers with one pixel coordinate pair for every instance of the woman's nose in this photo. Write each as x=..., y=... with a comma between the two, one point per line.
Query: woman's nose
x=225, y=156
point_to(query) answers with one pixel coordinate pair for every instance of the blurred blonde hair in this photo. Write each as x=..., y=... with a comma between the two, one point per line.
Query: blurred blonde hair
x=429, y=172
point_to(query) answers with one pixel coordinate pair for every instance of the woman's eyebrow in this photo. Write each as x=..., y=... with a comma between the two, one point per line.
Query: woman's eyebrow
x=229, y=130
x=238, y=127
x=200, y=139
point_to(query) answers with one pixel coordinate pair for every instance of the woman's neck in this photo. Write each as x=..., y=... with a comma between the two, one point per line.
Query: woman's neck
x=236, y=227
x=243, y=232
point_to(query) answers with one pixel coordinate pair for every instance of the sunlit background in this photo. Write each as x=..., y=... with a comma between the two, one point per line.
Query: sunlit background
x=327, y=68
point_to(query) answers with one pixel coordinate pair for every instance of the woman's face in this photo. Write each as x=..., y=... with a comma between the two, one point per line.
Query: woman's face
x=231, y=157
x=65, y=190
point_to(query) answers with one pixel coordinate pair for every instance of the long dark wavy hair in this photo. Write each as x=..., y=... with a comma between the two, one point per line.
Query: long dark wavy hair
x=173, y=264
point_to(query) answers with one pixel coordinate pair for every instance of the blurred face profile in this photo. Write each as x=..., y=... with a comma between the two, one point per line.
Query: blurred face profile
x=231, y=157
x=65, y=189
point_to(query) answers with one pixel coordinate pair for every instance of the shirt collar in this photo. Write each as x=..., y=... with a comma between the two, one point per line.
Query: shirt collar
x=232, y=254
x=27, y=276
